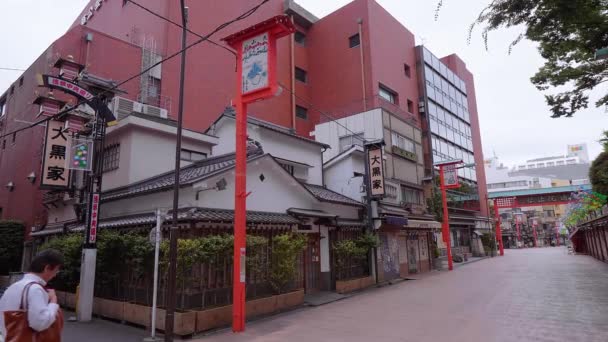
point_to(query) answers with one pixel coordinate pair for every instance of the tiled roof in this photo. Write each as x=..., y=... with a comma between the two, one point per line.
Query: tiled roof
x=230, y=113
x=326, y=195
x=188, y=175
x=195, y=214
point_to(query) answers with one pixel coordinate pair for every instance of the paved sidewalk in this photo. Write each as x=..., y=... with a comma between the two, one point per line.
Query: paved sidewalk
x=100, y=330
x=527, y=295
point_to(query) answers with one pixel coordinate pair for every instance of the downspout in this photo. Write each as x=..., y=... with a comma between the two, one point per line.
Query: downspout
x=293, y=80
x=360, y=22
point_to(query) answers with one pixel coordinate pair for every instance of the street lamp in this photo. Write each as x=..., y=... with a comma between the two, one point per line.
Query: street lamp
x=448, y=177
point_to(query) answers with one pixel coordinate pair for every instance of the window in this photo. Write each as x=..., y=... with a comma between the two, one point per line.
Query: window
x=550, y=213
x=387, y=94
x=192, y=156
x=14, y=138
x=2, y=108
x=550, y=164
x=391, y=190
x=559, y=162
x=571, y=161
x=301, y=75
x=410, y=195
x=111, y=157
x=410, y=106
x=403, y=142
x=21, y=81
x=540, y=165
x=299, y=38
x=0, y=213
x=301, y=112
x=347, y=141
x=288, y=168
x=354, y=41
x=407, y=70
x=3, y=144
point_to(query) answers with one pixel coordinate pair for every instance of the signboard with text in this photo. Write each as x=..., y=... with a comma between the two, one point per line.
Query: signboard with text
x=450, y=176
x=94, y=219
x=376, y=171
x=255, y=63
x=55, y=175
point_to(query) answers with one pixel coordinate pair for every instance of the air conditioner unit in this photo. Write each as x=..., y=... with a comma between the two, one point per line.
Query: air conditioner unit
x=123, y=107
x=155, y=111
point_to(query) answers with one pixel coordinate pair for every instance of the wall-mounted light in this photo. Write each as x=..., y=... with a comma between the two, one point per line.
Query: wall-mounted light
x=219, y=186
x=10, y=186
x=31, y=177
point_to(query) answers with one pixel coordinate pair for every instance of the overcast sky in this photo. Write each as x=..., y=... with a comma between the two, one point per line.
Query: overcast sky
x=515, y=121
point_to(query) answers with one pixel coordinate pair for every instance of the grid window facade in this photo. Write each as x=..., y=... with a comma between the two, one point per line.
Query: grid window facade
x=448, y=111
x=403, y=142
x=387, y=94
x=111, y=157
x=409, y=195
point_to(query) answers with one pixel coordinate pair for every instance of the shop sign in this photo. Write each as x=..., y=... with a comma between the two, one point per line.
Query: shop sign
x=255, y=63
x=55, y=175
x=450, y=176
x=94, y=219
x=376, y=171
x=90, y=12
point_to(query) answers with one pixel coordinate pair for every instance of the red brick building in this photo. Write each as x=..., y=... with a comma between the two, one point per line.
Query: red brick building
x=344, y=63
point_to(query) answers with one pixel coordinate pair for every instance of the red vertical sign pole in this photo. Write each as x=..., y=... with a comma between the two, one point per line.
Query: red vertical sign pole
x=445, y=227
x=498, y=229
x=256, y=80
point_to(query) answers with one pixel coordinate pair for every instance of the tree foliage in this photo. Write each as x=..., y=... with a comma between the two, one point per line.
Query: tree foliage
x=11, y=246
x=598, y=173
x=568, y=32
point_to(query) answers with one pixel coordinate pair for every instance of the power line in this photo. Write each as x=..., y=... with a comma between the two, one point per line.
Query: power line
x=11, y=69
x=331, y=118
x=202, y=39
x=180, y=26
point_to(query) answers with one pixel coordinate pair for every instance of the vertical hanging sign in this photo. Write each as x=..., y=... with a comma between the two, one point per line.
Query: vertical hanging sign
x=81, y=155
x=55, y=175
x=376, y=171
x=255, y=63
x=450, y=174
x=94, y=219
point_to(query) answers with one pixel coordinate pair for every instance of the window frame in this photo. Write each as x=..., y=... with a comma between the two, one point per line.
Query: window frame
x=302, y=40
x=298, y=114
x=111, y=158
x=351, y=41
x=300, y=75
x=392, y=96
x=185, y=150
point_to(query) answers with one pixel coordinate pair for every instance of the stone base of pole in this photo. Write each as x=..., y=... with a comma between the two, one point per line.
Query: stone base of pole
x=87, y=285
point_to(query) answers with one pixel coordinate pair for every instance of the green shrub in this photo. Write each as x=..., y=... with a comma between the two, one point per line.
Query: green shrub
x=285, y=251
x=11, y=246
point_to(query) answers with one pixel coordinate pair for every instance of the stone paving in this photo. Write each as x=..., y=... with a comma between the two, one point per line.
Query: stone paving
x=527, y=295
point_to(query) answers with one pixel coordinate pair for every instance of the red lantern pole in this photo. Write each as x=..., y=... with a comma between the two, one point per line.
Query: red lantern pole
x=255, y=81
x=445, y=228
x=498, y=229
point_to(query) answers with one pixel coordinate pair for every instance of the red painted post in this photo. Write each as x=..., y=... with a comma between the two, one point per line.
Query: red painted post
x=445, y=228
x=498, y=229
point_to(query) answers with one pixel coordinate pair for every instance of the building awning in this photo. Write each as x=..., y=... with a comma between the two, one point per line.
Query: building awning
x=310, y=213
x=392, y=211
x=423, y=224
x=462, y=223
x=45, y=232
x=351, y=223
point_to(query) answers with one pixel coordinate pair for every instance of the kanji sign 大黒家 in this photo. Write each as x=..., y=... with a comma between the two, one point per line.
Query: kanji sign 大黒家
x=55, y=175
x=376, y=172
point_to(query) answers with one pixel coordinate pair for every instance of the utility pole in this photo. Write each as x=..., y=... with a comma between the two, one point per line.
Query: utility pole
x=89, y=250
x=170, y=295
x=372, y=150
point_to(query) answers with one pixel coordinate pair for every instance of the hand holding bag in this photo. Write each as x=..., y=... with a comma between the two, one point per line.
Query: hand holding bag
x=18, y=328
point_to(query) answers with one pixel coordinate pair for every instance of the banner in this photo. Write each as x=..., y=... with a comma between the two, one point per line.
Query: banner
x=376, y=171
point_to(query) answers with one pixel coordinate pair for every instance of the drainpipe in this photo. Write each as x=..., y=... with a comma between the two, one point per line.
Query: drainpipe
x=293, y=80
x=360, y=22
